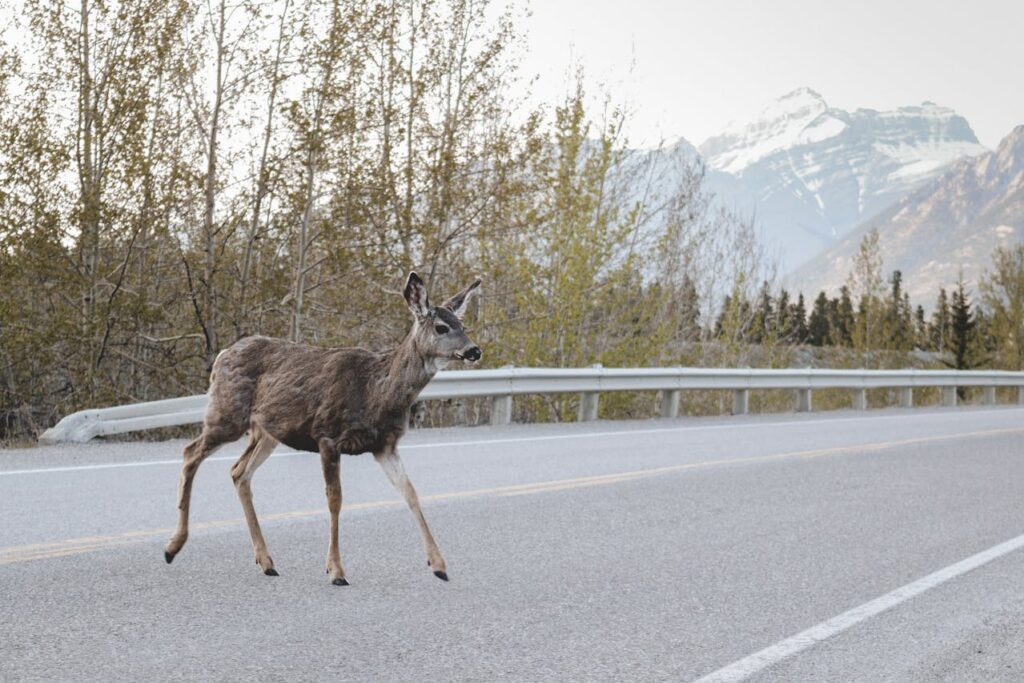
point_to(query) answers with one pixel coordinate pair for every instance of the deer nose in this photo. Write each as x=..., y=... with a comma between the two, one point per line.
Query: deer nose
x=473, y=354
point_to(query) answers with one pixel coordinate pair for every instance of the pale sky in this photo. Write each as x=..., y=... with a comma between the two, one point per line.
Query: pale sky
x=699, y=64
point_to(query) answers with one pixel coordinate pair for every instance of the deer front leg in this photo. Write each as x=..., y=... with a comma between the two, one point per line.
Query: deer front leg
x=330, y=459
x=256, y=453
x=197, y=451
x=395, y=471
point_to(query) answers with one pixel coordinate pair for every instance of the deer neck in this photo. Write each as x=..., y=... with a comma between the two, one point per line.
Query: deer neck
x=407, y=372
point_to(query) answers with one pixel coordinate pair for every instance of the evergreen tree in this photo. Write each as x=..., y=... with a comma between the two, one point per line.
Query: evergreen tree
x=818, y=327
x=843, y=320
x=763, y=326
x=984, y=344
x=961, y=327
x=921, y=334
x=907, y=321
x=782, y=315
x=733, y=323
x=897, y=315
x=722, y=314
x=798, y=320
x=941, y=320
x=689, y=309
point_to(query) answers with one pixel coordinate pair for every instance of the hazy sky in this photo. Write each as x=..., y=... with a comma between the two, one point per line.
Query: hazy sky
x=700, y=64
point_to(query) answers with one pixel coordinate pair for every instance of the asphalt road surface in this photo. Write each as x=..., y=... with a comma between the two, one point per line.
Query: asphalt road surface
x=843, y=546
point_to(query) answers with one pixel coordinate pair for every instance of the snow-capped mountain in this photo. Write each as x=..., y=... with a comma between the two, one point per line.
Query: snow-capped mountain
x=810, y=172
x=952, y=222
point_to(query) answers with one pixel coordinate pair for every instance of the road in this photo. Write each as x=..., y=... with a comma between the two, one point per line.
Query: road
x=886, y=545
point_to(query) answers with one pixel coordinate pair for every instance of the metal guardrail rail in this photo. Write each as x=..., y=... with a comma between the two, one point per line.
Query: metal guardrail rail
x=504, y=383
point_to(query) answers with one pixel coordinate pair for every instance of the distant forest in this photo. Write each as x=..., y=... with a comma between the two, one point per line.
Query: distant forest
x=871, y=312
x=175, y=175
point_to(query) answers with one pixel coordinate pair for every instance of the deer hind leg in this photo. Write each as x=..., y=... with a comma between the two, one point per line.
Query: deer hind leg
x=256, y=453
x=194, y=454
x=392, y=465
x=331, y=461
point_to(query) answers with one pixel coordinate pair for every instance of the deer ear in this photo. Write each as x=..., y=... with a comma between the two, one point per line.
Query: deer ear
x=457, y=304
x=416, y=295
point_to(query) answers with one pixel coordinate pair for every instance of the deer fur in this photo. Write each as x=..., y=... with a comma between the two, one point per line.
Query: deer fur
x=328, y=401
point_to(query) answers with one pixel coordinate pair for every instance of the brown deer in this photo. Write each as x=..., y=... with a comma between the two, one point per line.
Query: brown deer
x=327, y=401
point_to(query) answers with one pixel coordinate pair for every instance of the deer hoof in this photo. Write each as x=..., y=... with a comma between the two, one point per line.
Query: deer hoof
x=271, y=572
x=340, y=582
x=441, y=575
x=169, y=557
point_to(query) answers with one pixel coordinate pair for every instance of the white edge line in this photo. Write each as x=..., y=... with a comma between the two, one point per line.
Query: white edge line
x=752, y=664
x=525, y=439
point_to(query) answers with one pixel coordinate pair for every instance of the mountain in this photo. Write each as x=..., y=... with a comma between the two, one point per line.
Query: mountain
x=810, y=172
x=952, y=222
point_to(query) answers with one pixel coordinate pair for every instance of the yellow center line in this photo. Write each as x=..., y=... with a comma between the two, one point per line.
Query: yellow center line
x=57, y=553
x=73, y=546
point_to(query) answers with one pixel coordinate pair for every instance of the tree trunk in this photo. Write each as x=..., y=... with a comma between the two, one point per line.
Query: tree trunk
x=210, y=190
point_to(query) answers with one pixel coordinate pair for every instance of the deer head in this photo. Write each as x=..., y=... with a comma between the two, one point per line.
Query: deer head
x=438, y=333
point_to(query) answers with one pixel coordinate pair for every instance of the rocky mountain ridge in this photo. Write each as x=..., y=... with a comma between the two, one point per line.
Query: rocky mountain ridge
x=810, y=172
x=951, y=223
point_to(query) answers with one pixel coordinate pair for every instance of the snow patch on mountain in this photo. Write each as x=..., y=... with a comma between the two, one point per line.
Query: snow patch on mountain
x=790, y=121
x=949, y=225
x=809, y=172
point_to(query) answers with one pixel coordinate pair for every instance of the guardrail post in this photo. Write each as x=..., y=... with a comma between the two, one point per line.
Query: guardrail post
x=501, y=409
x=860, y=399
x=740, y=401
x=588, y=403
x=988, y=396
x=670, y=403
x=1020, y=396
x=906, y=397
x=588, y=406
x=803, y=400
x=949, y=396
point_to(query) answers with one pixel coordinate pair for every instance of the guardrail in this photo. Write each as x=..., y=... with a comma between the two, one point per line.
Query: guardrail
x=504, y=383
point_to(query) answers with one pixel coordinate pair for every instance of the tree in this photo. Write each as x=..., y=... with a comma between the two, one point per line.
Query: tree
x=906, y=318
x=762, y=328
x=321, y=117
x=898, y=315
x=843, y=321
x=985, y=346
x=782, y=324
x=922, y=337
x=962, y=325
x=818, y=327
x=798, y=320
x=577, y=298
x=865, y=284
x=941, y=323
x=733, y=324
x=1002, y=291
x=274, y=66
x=689, y=310
x=213, y=105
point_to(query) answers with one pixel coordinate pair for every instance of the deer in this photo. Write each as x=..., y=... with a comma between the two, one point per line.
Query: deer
x=331, y=401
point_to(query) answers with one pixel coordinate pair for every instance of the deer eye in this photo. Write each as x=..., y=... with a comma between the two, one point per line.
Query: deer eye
x=441, y=329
